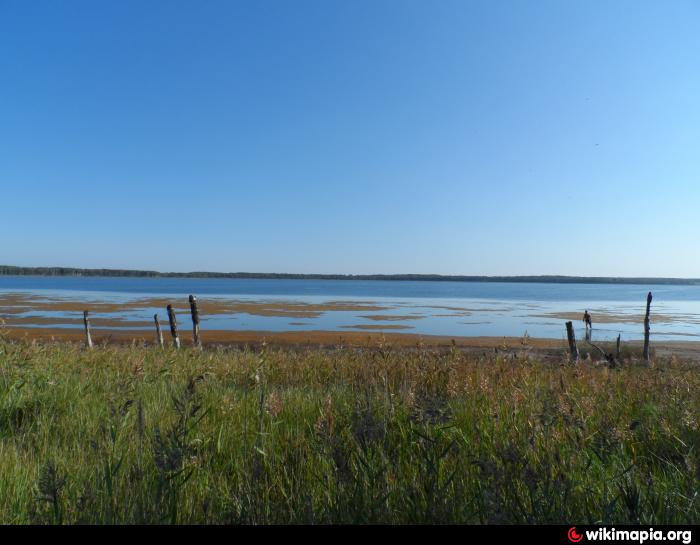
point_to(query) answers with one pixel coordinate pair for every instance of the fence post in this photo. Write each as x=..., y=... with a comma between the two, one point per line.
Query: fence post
x=173, y=326
x=86, y=321
x=159, y=333
x=572, y=341
x=617, y=352
x=195, y=321
x=645, y=354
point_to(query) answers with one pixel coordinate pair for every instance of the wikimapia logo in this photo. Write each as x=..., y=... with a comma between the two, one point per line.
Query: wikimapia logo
x=574, y=536
x=637, y=536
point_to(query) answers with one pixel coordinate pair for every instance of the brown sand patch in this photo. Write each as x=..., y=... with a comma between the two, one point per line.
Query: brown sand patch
x=459, y=310
x=468, y=310
x=548, y=348
x=75, y=322
x=11, y=303
x=610, y=318
x=8, y=311
x=285, y=309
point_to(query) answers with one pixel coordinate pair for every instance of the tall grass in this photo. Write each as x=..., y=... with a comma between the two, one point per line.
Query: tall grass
x=141, y=435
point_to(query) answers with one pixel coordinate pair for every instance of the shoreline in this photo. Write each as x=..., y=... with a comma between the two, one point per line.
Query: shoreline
x=542, y=347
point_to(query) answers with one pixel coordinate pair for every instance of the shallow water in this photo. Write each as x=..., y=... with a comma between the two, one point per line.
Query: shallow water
x=421, y=307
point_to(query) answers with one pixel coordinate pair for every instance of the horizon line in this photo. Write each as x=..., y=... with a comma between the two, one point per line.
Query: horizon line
x=14, y=270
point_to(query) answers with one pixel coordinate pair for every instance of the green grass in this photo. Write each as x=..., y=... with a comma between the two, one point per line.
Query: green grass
x=140, y=435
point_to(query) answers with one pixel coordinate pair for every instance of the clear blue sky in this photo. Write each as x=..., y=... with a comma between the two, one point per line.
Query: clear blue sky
x=453, y=137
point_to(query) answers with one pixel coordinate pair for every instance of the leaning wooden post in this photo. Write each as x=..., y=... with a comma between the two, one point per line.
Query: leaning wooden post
x=195, y=321
x=159, y=333
x=617, y=352
x=86, y=321
x=572, y=341
x=173, y=326
x=645, y=354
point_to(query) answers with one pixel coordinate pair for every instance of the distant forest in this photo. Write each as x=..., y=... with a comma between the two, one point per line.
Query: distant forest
x=70, y=271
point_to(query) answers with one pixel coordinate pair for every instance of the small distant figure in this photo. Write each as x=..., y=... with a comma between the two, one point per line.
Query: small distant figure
x=587, y=320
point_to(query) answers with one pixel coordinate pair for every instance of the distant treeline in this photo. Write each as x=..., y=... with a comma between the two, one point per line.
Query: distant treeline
x=71, y=271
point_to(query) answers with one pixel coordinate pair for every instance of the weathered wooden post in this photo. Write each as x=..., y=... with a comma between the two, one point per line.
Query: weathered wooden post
x=86, y=321
x=645, y=354
x=173, y=326
x=617, y=352
x=159, y=333
x=195, y=321
x=572, y=341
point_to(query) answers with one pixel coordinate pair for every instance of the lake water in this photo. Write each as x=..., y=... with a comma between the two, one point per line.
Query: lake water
x=420, y=307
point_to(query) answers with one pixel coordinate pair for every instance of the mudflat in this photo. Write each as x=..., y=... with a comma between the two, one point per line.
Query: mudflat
x=45, y=318
x=16, y=303
x=510, y=346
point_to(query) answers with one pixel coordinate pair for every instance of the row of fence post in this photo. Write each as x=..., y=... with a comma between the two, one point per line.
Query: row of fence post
x=645, y=353
x=172, y=319
x=194, y=311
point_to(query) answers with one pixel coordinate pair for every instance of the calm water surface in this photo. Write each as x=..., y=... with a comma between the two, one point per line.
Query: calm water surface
x=424, y=307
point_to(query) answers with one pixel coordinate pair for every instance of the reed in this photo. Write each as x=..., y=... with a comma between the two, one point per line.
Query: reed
x=346, y=435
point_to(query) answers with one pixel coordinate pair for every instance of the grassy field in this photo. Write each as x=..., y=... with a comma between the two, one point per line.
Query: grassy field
x=139, y=435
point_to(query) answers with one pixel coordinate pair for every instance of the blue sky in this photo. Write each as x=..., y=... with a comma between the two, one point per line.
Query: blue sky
x=452, y=137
